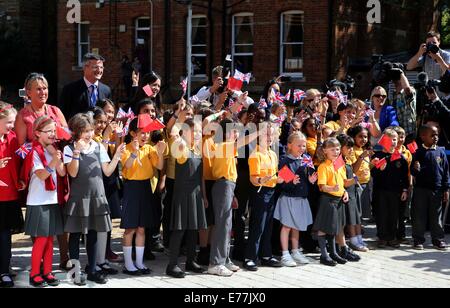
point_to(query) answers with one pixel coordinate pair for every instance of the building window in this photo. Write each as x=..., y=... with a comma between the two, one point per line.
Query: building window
x=83, y=45
x=199, y=46
x=142, y=31
x=291, y=44
x=242, y=42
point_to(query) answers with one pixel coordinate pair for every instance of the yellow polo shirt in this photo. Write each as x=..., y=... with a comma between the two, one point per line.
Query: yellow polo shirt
x=224, y=162
x=365, y=166
x=209, y=149
x=264, y=163
x=149, y=159
x=328, y=176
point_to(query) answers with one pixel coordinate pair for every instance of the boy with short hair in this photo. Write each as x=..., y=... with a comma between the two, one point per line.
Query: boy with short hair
x=431, y=171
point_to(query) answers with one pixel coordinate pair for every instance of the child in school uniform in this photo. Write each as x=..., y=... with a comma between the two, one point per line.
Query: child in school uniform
x=330, y=218
x=391, y=185
x=43, y=220
x=353, y=206
x=87, y=211
x=263, y=165
x=102, y=135
x=405, y=206
x=11, y=219
x=430, y=168
x=360, y=160
x=139, y=204
x=187, y=211
x=292, y=208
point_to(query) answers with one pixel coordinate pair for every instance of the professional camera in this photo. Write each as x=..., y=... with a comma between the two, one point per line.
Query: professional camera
x=433, y=48
x=225, y=73
x=424, y=83
x=384, y=71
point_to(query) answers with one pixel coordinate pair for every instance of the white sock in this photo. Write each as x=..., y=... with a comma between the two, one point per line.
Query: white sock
x=102, y=240
x=295, y=251
x=355, y=242
x=140, y=257
x=127, y=255
x=285, y=253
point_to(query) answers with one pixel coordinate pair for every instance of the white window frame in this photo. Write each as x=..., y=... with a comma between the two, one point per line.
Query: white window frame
x=137, y=29
x=282, y=44
x=205, y=55
x=80, y=43
x=233, y=38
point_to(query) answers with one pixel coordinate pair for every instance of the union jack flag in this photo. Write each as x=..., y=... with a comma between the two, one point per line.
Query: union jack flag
x=307, y=161
x=288, y=96
x=125, y=128
x=280, y=119
x=299, y=95
x=262, y=104
x=278, y=96
x=121, y=114
x=24, y=150
x=243, y=77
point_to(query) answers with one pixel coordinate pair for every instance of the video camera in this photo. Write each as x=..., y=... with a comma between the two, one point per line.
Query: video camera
x=384, y=71
x=424, y=83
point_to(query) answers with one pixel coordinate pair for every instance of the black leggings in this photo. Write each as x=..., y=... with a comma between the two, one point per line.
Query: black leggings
x=91, y=248
x=5, y=251
x=176, y=238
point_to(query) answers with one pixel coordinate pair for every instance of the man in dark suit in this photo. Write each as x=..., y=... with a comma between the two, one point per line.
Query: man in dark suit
x=82, y=95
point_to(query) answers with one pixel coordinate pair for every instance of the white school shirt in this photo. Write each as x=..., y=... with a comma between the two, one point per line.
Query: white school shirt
x=104, y=157
x=37, y=194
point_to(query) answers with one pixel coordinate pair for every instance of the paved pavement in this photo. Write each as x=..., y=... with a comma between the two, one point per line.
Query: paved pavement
x=386, y=268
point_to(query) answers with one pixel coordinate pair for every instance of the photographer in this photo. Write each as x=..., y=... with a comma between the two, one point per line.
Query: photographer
x=434, y=61
x=404, y=103
x=218, y=94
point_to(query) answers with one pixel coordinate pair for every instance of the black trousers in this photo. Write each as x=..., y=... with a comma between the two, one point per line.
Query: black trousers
x=167, y=205
x=5, y=251
x=387, y=213
x=262, y=206
x=176, y=239
x=427, y=209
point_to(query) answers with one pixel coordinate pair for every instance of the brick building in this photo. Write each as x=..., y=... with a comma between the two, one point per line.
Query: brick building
x=312, y=41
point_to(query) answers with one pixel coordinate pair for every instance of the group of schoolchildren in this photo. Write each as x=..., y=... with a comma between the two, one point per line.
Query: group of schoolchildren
x=315, y=189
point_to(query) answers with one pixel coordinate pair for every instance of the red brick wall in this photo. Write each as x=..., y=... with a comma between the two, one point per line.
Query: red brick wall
x=266, y=36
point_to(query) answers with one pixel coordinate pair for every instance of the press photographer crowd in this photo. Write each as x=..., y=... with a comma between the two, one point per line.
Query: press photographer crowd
x=303, y=171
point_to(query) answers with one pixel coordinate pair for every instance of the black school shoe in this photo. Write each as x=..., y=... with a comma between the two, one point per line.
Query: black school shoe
x=347, y=254
x=6, y=281
x=38, y=284
x=250, y=265
x=97, y=277
x=175, y=272
x=439, y=245
x=145, y=271
x=194, y=267
x=107, y=270
x=51, y=280
x=336, y=258
x=271, y=262
x=327, y=261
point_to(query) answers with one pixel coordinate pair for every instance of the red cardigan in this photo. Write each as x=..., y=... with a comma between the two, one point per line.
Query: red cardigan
x=9, y=175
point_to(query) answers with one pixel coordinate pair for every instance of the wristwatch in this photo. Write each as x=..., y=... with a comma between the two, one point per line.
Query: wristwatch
x=175, y=116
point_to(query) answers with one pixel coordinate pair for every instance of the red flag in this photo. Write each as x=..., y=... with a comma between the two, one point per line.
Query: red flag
x=413, y=147
x=148, y=90
x=63, y=134
x=386, y=143
x=381, y=163
x=154, y=125
x=339, y=163
x=286, y=174
x=396, y=156
x=144, y=120
x=234, y=84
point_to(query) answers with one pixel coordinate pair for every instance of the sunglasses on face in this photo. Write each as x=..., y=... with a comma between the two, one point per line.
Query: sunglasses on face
x=379, y=96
